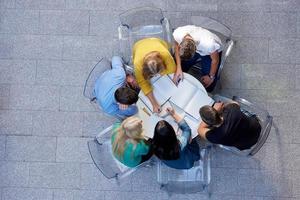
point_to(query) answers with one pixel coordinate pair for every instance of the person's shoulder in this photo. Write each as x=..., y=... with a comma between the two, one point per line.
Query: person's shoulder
x=114, y=74
x=165, y=53
x=232, y=109
x=141, y=147
x=181, y=31
x=115, y=129
x=211, y=135
x=116, y=126
x=232, y=105
x=186, y=27
x=164, y=44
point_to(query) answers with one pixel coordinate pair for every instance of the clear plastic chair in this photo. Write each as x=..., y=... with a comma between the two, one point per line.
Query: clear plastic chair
x=222, y=31
x=196, y=179
x=102, y=65
x=139, y=23
x=101, y=152
x=263, y=116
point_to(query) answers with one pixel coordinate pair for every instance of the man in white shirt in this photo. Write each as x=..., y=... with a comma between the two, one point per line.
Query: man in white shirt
x=193, y=46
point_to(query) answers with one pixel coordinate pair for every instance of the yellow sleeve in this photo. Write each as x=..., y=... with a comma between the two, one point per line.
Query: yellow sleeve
x=169, y=62
x=143, y=83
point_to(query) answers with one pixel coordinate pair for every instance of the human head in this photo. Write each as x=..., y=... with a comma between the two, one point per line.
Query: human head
x=187, y=48
x=165, y=143
x=131, y=81
x=210, y=116
x=130, y=129
x=125, y=95
x=153, y=64
x=133, y=127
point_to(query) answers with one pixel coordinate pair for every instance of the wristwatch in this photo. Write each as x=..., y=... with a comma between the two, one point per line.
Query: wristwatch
x=212, y=77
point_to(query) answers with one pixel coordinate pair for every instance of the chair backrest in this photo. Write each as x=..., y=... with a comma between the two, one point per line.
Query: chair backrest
x=141, y=16
x=102, y=65
x=192, y=180
x=139, y=23
x=101, y=152
x=222, y=31
x=263, y=116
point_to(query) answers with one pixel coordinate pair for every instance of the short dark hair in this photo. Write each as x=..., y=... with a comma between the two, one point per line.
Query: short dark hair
x=126, y=95
x=210, y=116
x=164, y=143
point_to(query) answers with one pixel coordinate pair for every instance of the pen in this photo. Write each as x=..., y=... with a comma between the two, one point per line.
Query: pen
x=146, y=111
x=178, y=81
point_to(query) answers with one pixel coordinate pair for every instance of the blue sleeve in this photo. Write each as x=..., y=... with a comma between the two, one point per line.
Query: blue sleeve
x=186, y=134
x=131, y=110
x=116, y=62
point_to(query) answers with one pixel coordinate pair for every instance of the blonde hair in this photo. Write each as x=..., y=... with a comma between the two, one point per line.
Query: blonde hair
x=130, y=130
x=153, y=64
x=187, y=49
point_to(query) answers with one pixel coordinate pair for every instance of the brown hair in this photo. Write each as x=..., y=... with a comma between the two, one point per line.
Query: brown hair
x=187, y=49
x=153, y=64
x=210, y=116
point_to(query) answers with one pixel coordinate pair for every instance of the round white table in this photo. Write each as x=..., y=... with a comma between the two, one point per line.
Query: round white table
x=150, y=119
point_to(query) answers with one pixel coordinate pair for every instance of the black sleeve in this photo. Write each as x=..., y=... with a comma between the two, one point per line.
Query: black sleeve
x=232, y=106
x=213, y=136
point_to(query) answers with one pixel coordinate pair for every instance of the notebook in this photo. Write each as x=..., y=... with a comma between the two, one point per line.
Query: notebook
x=190, y=98
x=163, y=89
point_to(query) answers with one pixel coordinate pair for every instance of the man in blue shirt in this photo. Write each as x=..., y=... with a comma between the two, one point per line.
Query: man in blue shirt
x=112, y=94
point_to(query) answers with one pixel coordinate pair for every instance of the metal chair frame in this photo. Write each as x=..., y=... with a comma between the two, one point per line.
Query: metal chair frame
x=118, y=171
x=265, y=122
x=210, y=24
x=143, y=29
x=190, y=185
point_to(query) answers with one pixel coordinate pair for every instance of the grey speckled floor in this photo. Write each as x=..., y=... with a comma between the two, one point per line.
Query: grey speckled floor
x=46, y=51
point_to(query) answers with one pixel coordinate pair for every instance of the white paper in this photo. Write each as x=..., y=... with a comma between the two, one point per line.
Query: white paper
x=149, y=119
x=184, y=92
x=163, y=89
x=197, y=101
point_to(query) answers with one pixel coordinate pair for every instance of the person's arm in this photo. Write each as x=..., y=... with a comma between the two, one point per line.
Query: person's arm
x=178, y=74
x=146, y=88
x=129, y=111
x=185, y=136
x=214, y=63
x=173, y=114
x=209, y=79
x=169, y=62
x=155, y=104
x=117, y=62
x=202, y=130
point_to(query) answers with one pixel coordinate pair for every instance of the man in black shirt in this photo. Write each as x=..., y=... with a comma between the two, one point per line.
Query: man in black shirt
x=228, y=125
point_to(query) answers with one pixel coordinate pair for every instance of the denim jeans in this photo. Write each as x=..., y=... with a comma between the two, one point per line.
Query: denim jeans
x=199, y=66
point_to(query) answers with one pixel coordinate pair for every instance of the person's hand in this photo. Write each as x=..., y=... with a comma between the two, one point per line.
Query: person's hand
x=156, y=108
x=171, y=111
x=178, y=76
x=206, y=81
x=130, y=80
x=122, y=106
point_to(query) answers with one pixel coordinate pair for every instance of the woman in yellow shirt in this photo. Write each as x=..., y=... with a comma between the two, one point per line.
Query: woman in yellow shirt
x=151, y=56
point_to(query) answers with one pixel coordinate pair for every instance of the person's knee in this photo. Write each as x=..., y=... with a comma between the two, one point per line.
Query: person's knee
x=211, y=87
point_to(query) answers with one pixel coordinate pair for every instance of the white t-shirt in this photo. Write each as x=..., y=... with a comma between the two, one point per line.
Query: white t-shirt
x=206, y=41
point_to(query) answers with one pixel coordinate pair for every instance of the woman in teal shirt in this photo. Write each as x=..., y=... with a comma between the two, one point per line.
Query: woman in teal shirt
x=128, y=143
